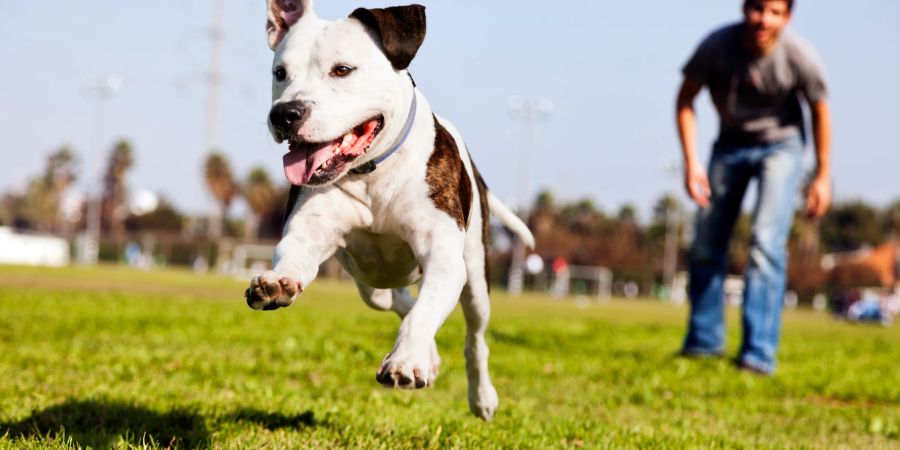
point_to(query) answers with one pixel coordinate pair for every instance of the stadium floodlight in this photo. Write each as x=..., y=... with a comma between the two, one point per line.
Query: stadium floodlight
x=143, y=202
x=100, y=90
x=527, y=111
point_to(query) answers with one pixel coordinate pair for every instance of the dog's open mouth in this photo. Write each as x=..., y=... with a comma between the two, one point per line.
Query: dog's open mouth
x=320, y=162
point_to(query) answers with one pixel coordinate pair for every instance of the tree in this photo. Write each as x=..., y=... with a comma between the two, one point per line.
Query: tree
x=667, y=208
x=115, y=194
x=220, y=181
x=41, y=203
x=804, y=238
x=165, y=218
x=664, y=235
x=544, y=202
x=12, y=206
x=583, y=217
x=272, y=224
x=627, y=214
x=260, y=195
x=851, y=225
x=664, y=206
x=61, y=168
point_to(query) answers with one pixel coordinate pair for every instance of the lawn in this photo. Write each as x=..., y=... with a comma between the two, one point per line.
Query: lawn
x=107, y=357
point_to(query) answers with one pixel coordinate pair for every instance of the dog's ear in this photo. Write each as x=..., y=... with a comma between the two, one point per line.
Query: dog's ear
x=400, y=28
x=282, y=15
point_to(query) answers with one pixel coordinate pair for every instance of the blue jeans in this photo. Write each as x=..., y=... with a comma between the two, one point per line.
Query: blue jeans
x=778, y=168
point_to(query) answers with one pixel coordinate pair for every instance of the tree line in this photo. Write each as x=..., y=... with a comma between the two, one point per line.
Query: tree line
x=584, y=234
x=42, y=204
x=579, y=231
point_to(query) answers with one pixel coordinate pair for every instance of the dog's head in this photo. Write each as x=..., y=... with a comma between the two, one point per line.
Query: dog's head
x=340, y=90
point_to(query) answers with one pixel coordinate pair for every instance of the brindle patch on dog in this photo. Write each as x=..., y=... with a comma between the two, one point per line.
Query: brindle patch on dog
x=446, y=175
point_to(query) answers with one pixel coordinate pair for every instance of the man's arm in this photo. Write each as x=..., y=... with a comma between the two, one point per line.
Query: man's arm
x=695, y=179
x=818, y=197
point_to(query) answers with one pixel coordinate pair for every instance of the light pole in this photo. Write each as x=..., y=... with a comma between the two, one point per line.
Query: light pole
x=670, y=257
x=99, y=90
x=528, y=111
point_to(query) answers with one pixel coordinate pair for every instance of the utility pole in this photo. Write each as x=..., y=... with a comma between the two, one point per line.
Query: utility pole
x=670, y=257
x=100, y=90
x=670, y=260
x=214, y=76
x=528, y=112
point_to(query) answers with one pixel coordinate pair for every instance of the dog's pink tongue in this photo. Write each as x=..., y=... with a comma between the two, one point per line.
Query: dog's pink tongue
x=302, y=162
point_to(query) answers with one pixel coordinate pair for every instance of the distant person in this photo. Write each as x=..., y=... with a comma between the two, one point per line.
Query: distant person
x=878, y=306
x=560, y=269
x=757, y=74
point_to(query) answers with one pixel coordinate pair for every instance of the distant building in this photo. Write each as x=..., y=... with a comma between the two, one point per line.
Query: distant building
x=32, y=249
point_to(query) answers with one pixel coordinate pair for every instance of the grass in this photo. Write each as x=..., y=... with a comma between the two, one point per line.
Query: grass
x=106, y=357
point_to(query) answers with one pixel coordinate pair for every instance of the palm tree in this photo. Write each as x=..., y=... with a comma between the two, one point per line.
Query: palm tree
x=260, y=195
x=41, y=205
x=41, y=202
x=61, y=168
x=220, y=181
x=115, y=195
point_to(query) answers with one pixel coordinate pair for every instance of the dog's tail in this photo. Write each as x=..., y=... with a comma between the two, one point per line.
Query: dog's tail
x=512, y=221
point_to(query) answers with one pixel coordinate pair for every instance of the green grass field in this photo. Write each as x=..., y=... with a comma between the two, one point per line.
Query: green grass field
x=106, y=357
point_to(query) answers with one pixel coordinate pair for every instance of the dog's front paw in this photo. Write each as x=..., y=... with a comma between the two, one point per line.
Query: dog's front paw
x=270, y=291
x=409, y=368
x=483, y=400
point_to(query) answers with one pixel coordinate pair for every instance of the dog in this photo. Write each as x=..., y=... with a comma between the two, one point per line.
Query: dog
x=381, y=183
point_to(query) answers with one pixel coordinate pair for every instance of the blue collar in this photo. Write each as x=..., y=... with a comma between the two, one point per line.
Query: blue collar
x=370, y=166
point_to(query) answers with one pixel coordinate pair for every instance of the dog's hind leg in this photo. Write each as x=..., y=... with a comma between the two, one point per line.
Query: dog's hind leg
x=476, y=307
x=399, y=300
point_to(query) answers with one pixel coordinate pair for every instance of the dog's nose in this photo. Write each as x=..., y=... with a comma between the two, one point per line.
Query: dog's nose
x=284, y=115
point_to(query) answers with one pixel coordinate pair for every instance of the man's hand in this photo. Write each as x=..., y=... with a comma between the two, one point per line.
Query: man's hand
x=695, y=179
x=818, y=197
x=697, y=184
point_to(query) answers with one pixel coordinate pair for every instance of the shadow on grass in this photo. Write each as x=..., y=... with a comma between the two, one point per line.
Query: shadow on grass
x=274, y=421
x=100, y=424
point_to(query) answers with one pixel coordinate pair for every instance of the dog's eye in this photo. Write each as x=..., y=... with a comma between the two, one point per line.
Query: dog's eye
x=341, y=71
x=279, y=73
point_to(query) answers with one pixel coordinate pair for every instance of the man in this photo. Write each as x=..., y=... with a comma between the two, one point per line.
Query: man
x=757, y=74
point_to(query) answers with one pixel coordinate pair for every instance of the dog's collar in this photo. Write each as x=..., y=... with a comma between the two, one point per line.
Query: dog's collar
x=370, y=166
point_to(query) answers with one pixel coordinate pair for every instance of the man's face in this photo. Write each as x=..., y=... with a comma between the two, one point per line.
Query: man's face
x=765, y=19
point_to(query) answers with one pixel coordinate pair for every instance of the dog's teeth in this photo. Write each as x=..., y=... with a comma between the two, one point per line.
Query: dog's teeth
x=348, y=139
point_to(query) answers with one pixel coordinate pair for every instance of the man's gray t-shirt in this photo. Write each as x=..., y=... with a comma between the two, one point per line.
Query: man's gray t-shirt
x=758, y=98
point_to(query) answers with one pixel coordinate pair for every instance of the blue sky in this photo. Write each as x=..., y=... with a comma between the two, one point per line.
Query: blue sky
x=610, y=67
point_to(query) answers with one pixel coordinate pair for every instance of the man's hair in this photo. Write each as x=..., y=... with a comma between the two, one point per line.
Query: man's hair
x=790, y=3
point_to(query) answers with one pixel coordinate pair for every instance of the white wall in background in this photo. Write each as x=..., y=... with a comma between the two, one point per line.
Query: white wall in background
x=32, y=250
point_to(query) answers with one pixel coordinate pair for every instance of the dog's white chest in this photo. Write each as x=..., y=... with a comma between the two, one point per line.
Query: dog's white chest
x=379, y=260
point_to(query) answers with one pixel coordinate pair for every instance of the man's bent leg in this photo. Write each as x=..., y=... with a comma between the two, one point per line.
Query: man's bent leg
x=728, y=178
x=781, y=172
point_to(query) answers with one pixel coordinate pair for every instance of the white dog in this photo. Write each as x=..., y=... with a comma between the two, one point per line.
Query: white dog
x=382, y=184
